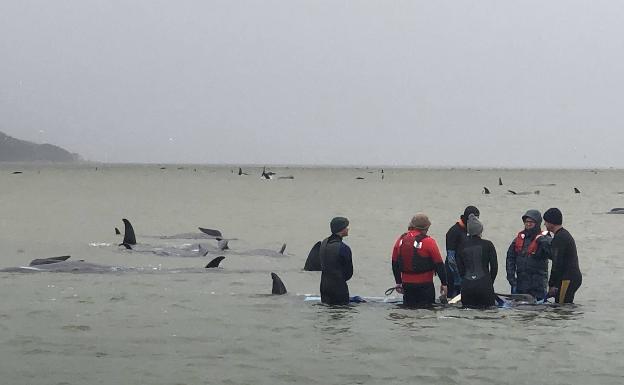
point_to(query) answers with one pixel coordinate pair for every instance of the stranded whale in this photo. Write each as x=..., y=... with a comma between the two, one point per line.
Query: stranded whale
x=63, y=265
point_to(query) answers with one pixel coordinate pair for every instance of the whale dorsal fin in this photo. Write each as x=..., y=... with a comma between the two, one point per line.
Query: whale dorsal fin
x=500, y=181
x=47, y=261
x=486, y=190
x=129, y=237
x=278, y=285
x=117, y=232
x=215, y=262
x=214, y=233
x=577, y=191
x=512, y=192
x=283, y=249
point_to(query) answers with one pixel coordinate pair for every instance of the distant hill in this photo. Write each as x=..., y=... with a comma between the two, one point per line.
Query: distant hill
x=15, y=150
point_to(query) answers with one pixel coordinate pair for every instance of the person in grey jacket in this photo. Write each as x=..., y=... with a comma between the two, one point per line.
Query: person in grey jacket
x=527, y=258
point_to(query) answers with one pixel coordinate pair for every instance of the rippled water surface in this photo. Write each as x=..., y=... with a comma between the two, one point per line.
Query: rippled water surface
x=169, y=321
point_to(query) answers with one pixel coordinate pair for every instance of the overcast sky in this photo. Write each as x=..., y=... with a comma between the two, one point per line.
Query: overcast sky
x=438, y=83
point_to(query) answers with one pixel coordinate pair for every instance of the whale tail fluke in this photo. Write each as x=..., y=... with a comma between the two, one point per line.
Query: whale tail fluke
x=215, y=262
x=129, y=237
x=222, y=244
x=203, y=251
x=278, y=285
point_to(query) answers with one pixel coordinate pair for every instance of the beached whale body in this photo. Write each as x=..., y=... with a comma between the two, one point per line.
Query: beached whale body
x=62, y=265
x=129, y=242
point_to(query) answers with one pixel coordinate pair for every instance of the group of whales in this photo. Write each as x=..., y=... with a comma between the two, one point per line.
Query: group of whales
x=129, y=243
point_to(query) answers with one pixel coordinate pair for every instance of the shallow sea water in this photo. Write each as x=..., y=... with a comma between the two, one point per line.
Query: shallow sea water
x=222, y=326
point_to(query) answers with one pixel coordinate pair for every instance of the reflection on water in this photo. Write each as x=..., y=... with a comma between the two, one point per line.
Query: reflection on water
x=335, y=320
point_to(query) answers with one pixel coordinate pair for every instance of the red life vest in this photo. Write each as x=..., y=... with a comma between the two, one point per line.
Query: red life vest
x=408, y=258
x=532, y=246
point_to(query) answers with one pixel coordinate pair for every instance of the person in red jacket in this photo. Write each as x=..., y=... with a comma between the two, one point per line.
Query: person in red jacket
x=415, y=258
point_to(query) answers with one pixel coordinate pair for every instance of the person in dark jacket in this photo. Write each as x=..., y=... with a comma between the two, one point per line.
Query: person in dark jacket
x=527, y=258
x=454, y=238
x=565, y=275
x=336, y=264
x=477, y=264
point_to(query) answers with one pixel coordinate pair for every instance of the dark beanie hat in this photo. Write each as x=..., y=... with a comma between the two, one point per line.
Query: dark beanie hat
x=469, y=210
x=553, y=215
x=338, y=223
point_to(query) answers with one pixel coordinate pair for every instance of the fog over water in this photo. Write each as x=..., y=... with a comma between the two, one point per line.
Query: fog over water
x=420, y=83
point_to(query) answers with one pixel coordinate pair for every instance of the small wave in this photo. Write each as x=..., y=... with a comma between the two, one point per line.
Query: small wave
x=100, y=244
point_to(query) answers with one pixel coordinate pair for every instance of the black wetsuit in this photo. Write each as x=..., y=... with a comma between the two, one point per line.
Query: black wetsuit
x=478, y=266
x=336, y=270
x=455, y=236
x=565, y=273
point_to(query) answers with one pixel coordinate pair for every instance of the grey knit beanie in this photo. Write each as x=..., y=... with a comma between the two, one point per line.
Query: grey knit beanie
x=475, y=227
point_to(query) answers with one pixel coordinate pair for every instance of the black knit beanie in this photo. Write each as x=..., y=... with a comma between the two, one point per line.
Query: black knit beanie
x=337, y=224
x=467, y=211
x=553, y=215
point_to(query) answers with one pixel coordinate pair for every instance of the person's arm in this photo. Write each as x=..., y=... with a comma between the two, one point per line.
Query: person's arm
x=543, y=247
x=559, y=251
x=395, y=262
x=347, y=261
x=434, y=253
x=493, y=258
x=511, y=265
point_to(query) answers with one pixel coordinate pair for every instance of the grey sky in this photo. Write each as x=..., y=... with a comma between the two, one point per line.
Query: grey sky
x=447, y=83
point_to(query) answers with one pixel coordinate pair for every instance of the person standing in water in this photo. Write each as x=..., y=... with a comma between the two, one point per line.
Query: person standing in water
x=477, y=264
x=336, y=264
x=565, y=275
x=415, y=257
x=527, y=258
x=454, y=238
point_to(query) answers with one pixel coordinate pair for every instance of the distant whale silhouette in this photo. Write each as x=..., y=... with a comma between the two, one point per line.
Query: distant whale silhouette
x=524, y=192
x=278, y=286
x=267, y=175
